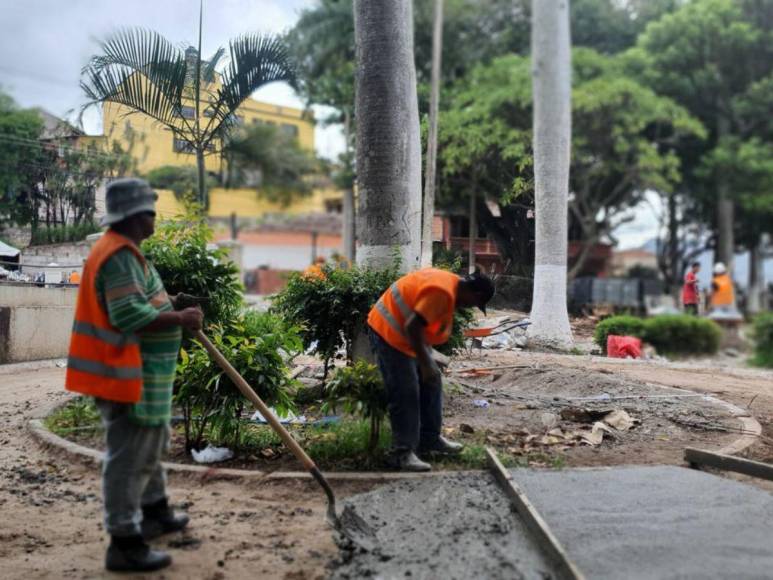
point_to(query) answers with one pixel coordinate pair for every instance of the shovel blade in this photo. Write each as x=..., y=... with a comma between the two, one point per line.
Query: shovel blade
x=353, y=530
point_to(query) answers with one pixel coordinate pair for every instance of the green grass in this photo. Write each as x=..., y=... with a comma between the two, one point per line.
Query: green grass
x=80, y=414
x=339, y=446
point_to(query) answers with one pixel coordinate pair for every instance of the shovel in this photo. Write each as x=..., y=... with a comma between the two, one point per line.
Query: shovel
x=350, y=525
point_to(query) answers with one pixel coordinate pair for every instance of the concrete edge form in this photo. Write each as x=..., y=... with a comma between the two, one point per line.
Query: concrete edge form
x=698, y=457
x=533, y=519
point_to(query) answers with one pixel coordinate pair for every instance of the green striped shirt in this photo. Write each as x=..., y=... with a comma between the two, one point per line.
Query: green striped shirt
x=133, y=297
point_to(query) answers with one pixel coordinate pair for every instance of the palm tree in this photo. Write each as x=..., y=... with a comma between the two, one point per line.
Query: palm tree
x=388, y=145
x=551, y=66
x=146, y=73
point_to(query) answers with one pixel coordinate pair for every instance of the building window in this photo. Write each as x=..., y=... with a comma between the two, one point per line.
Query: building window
x=182, y=146
x=290, y=130
x=187, y=113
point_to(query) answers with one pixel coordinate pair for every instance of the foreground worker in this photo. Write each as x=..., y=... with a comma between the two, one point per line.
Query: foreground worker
x=123, y=351
x=722, y=291
x=415, y=313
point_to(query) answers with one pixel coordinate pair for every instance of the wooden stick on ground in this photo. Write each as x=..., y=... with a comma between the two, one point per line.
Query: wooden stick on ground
x=698, y=457
x=533, y=520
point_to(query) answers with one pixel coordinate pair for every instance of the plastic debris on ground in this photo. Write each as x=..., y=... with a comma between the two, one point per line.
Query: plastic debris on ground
x=212, y=454
x=623, y=346
x=289, y=419
x=481, y=403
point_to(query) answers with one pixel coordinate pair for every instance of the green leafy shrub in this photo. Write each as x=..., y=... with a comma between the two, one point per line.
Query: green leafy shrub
x=682, y=334
x=259, y=346
x=179, y=251
x=763, y=340
x=675, y=334
x=359, y=390
x=332, y=310
x=620, y=326
x=63, y=233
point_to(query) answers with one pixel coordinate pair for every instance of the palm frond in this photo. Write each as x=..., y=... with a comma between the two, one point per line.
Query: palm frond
x=140, y=69
x=255, y=60
x=209, y=67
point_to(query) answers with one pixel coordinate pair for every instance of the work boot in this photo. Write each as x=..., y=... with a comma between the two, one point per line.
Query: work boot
x=407, y=461
x=158, y=519
x=440, y=445
x=132, y=554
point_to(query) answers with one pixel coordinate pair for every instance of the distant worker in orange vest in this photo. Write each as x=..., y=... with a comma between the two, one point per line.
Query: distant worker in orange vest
x=315, y=269
x=123, y=351
x=415, y=313
x=722, y=291
x=75, y=277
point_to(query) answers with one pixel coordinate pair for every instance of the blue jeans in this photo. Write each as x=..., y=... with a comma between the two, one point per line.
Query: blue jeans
x=415, y=406
x=132, y=475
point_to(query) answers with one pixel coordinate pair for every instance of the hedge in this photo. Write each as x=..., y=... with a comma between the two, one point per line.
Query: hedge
x=672, y=334
x=763, y=340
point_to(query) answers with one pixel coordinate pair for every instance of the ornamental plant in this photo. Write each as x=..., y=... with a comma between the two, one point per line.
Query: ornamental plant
x=182, y=252
x=260, y=346
x=359, y=390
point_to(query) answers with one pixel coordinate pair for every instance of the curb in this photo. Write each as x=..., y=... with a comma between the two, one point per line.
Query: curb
x=94, y=457
x=750, y=428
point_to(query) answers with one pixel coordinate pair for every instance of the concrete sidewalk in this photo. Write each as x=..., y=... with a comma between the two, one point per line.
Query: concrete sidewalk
x=655, y=522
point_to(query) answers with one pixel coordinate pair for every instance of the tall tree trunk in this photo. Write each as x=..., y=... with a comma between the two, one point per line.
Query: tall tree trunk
x=428, y=212
x=755, y=302
x=725, y=212
x=202, y=178
x=350, y=215
x=551, y=66
x=388, y=144
x=472, y=233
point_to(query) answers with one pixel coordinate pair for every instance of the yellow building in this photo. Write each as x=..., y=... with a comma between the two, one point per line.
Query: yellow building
x=153, y=145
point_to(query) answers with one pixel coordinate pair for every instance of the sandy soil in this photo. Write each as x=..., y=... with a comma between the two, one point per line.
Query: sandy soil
x=51, y=507
x=52, y=511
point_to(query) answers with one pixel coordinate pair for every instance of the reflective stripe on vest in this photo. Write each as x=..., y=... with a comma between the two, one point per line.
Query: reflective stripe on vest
x=103, y=334
x=398, y=298
x=103, y=370
x=390, y=319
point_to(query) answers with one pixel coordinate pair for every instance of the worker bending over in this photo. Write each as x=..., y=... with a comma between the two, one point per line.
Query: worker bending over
x=415, y=313
x=123, y=351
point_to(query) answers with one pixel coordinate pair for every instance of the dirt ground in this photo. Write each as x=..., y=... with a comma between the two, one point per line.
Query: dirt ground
x=51, y=507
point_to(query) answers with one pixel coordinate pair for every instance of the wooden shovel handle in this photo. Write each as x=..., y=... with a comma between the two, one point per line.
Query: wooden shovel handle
x=248, y=392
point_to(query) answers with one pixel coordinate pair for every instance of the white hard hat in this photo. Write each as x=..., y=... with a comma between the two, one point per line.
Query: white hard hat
x=719, y=268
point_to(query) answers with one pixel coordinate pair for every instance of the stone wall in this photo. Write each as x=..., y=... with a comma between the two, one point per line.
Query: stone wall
x=70, y=254
x=35, y=323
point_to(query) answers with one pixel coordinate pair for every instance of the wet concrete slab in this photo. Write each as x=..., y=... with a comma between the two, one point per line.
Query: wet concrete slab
x=448, y=527
x=655, y=522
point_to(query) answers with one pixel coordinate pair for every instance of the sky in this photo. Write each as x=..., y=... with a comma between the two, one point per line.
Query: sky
x=45, y=43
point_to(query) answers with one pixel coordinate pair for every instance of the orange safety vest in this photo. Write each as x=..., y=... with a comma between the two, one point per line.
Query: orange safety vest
x=103, y=361
x=75, y=278
x=390, y=314
x=723, y=294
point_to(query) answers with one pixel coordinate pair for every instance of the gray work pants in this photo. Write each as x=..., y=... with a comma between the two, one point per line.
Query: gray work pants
x=132, y=476
x=415, y=406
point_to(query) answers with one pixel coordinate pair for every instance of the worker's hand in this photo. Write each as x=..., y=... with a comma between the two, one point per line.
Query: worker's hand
x=191, y=318
x=430, y=372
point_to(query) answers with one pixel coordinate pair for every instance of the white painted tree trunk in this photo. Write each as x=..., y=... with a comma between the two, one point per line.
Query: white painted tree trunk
x=428, y=212
x=388, y=142
x=551, y=70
